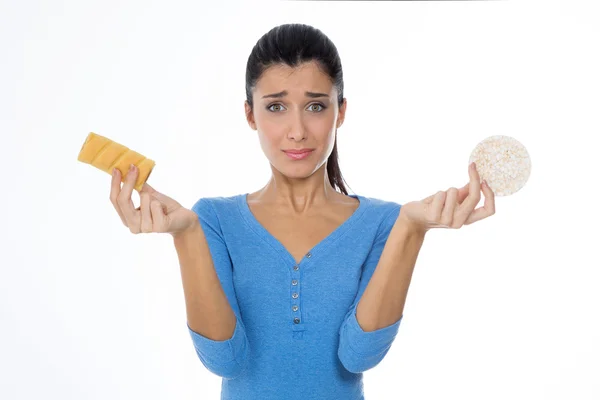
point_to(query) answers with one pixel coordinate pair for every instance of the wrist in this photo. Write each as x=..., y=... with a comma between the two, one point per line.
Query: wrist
x=410, y=226
x=191, y=228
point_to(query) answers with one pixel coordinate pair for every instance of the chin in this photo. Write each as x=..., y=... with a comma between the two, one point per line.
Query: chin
x=296, y=170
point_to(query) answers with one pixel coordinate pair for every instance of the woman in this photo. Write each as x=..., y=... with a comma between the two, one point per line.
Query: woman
x=295, y=290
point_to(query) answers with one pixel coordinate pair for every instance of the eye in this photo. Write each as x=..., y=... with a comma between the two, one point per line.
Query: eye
x=273, y=105
x=322, y=107
x=318, y=105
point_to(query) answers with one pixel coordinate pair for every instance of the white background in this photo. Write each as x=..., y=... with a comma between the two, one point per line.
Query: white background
x=505, y=308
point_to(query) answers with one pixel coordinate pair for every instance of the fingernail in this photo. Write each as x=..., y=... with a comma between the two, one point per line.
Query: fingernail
x=484, y=183
x=473, y=165
x=131, y=168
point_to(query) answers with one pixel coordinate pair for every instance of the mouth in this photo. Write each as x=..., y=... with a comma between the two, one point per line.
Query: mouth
x=298, y=154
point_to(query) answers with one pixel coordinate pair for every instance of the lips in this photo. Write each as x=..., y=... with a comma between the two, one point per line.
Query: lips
x=302, y=151
x=298, y=154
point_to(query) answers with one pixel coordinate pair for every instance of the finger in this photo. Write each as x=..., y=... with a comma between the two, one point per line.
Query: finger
x=447, y=215
x=126, y=204
x=472, y=199
x=115, y=189
x=462, y=193
x=488, y=209
x=146, y=215
x=158, y=216
x=436, y=206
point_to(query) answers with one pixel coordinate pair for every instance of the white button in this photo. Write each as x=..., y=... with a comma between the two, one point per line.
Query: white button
x=294, y=282
x=296, y=268
x=308, y=255
x=296, y=320
x=295, y=295
x=295, y=308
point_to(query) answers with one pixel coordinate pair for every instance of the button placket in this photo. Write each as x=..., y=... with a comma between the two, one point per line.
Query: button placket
x=295, y=294
x=295, y=307
x=295, y=291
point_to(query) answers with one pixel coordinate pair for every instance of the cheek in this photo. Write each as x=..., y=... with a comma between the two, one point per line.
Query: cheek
x=268, y=125
x=270, y=136
x=323, y=130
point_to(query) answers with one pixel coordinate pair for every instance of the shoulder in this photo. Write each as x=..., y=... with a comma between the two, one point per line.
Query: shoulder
x=213, y=209
x=382, y=208
x=216, y=203
x=381, y=213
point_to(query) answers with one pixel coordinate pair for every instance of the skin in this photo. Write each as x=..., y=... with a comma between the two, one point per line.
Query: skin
x=453, y=208
x=295, y=121
x=156, y=213
x=299, y=193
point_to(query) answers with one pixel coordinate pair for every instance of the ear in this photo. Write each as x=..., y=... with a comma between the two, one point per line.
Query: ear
x=249, y=115
x=341, y=114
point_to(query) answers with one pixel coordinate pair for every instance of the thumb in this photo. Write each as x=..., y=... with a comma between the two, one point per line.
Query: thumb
x=163, y=198
x=153, y=192
x=147, y=189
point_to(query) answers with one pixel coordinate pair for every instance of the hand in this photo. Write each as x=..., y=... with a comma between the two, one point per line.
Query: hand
x=156, y=213
x=452, y=208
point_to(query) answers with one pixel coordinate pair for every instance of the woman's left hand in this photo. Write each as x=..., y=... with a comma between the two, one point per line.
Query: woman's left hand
x=450, y=209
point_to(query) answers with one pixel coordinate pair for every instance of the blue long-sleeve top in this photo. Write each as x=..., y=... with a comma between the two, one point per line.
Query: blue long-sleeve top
x=296, y=333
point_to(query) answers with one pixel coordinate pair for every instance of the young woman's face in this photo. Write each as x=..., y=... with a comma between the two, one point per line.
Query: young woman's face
x=294, y=109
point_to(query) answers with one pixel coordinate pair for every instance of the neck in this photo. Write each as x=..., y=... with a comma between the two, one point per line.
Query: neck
x=299, y=194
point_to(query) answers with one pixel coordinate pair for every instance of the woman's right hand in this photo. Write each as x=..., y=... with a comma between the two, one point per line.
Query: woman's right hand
x=156, y=213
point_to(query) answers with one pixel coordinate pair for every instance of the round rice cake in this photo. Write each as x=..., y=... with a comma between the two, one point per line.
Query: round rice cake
x=503, y=162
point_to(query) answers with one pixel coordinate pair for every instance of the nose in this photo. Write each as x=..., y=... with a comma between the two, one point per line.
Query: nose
x=297, y=130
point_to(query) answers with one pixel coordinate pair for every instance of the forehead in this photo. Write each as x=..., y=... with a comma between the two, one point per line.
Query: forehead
x=305, y=77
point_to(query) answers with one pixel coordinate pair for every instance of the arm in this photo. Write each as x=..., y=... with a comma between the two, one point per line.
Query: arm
x=373, y=321
x=213, y=316
x=382, y=304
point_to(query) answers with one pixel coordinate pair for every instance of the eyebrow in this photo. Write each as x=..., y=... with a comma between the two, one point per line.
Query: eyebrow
x=285, y=93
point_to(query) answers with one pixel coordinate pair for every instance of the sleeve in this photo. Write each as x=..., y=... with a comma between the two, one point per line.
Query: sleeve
x=358, y=350
x=226, y=358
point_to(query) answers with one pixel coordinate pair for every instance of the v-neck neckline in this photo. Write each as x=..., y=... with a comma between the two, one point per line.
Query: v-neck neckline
x=319, y=248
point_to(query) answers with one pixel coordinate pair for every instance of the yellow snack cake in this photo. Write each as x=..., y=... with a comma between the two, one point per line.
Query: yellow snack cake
x=106, y=154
